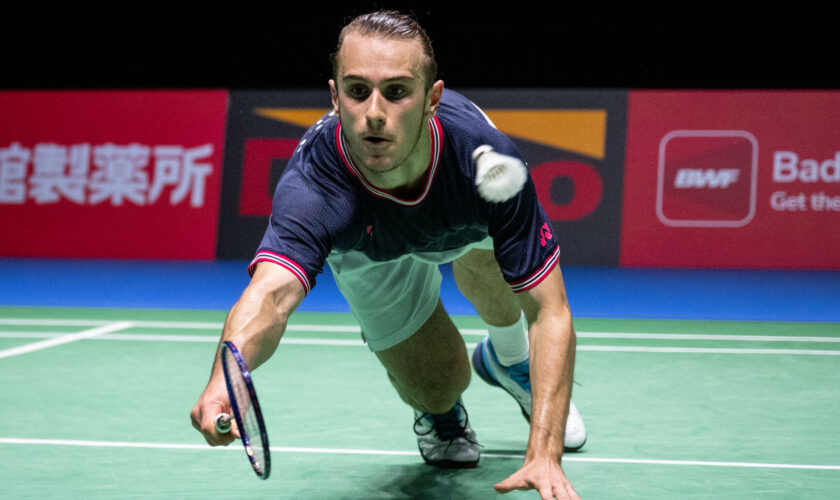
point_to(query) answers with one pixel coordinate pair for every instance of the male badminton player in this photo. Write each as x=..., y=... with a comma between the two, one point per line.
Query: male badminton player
x=399, y=178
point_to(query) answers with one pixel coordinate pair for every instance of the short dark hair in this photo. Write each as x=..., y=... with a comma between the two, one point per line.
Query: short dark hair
x=390, y=24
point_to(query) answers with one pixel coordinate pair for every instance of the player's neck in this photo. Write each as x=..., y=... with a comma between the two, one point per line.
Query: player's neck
x=410, y=174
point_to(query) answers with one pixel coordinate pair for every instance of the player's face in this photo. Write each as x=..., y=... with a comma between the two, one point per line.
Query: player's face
x=381, y=99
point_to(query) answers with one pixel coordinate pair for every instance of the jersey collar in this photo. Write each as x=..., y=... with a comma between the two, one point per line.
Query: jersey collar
x=436, y=134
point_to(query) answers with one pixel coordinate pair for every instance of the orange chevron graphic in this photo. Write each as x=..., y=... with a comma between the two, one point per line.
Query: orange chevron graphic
x=578, y=131
x=305, y=117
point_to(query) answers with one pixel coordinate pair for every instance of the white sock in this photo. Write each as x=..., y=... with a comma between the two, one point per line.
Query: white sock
x=510, y=342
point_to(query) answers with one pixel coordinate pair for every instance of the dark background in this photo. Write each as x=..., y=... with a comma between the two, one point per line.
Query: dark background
x=244, y=46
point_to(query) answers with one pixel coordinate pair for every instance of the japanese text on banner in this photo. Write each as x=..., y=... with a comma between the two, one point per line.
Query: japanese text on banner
x=88, y=174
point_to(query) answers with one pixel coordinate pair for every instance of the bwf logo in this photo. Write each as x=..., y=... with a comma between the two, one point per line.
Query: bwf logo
x=707, y=178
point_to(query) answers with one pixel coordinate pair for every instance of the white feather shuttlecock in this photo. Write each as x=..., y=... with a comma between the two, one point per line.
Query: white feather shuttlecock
x=498, y=177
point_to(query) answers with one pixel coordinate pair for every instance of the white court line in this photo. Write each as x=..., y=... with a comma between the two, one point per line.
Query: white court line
x=318, y=328
x=341, y=451
x=694, y=336
x=704, y=350
x=180, y=325
x=470, y=345
x=150, y=337
x=97, y=322
x=64, y=339
x=52, y=322
x=10, y=334
x=757, y=465
x=186, y=325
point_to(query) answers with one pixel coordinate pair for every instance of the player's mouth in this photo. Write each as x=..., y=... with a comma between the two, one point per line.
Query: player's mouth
x=375, y=140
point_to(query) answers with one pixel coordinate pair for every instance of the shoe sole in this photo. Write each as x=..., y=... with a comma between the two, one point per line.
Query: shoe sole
x=450, y=464
x=484, y=374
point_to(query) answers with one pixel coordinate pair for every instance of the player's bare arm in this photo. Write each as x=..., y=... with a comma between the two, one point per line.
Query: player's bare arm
x=255, y=323
x=552, y=340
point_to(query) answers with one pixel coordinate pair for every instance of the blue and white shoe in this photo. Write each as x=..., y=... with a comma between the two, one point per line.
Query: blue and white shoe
x=516, y=380
x=447, y=440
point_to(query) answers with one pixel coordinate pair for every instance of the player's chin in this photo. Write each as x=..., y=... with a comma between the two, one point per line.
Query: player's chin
x=379, y=164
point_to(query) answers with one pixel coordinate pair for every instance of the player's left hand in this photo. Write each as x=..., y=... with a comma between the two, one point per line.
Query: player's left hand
x=543, y=475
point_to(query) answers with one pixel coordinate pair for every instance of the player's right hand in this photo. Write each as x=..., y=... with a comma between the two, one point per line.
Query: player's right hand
x=542, y=474
x=203, y=416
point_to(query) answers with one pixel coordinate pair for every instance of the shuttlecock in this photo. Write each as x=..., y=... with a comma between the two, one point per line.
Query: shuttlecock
x=498, y=177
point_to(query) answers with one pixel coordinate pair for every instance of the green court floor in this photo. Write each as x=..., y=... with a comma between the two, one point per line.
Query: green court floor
x=98, y=400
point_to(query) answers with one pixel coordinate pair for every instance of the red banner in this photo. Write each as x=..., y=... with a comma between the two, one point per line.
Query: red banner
x=115, y=174
x=732, y=179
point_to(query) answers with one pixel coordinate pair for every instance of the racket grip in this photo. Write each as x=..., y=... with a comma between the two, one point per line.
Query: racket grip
x=223, y=423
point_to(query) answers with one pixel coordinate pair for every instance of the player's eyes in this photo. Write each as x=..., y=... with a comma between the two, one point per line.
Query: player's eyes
x=396, y=92
x=358, y=91
x=391, y=92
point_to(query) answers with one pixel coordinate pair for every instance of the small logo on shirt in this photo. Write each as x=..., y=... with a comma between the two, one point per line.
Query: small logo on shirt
x=369, y=230
x=545, y=234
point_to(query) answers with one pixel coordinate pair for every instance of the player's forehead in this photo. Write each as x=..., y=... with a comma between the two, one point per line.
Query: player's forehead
x=376, y=58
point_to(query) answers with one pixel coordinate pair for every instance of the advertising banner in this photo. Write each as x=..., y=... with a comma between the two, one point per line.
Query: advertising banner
x=732, y=179
x=573, y=143
x=110, y=174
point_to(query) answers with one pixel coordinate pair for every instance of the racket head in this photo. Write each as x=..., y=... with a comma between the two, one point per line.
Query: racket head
x=246, y=409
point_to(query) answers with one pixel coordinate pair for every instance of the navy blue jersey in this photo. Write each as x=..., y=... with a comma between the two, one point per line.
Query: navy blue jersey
x=324, y=204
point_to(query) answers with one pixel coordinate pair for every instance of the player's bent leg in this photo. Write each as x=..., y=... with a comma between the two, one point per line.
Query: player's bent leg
x=430, y=370
x=397, y=305
x=480, y=280
x=501, y=359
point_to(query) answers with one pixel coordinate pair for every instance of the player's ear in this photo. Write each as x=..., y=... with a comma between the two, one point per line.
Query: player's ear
x=433, y=98
x=334, y=95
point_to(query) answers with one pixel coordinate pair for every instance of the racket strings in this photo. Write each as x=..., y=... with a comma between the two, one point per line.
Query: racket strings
x=251, y=435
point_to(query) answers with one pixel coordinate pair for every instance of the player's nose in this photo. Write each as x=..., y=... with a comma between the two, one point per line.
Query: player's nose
x=375, y=112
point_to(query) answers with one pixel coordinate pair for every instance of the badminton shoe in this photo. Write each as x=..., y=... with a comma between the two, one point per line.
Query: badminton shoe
x=447, y=440
x=516, y=380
